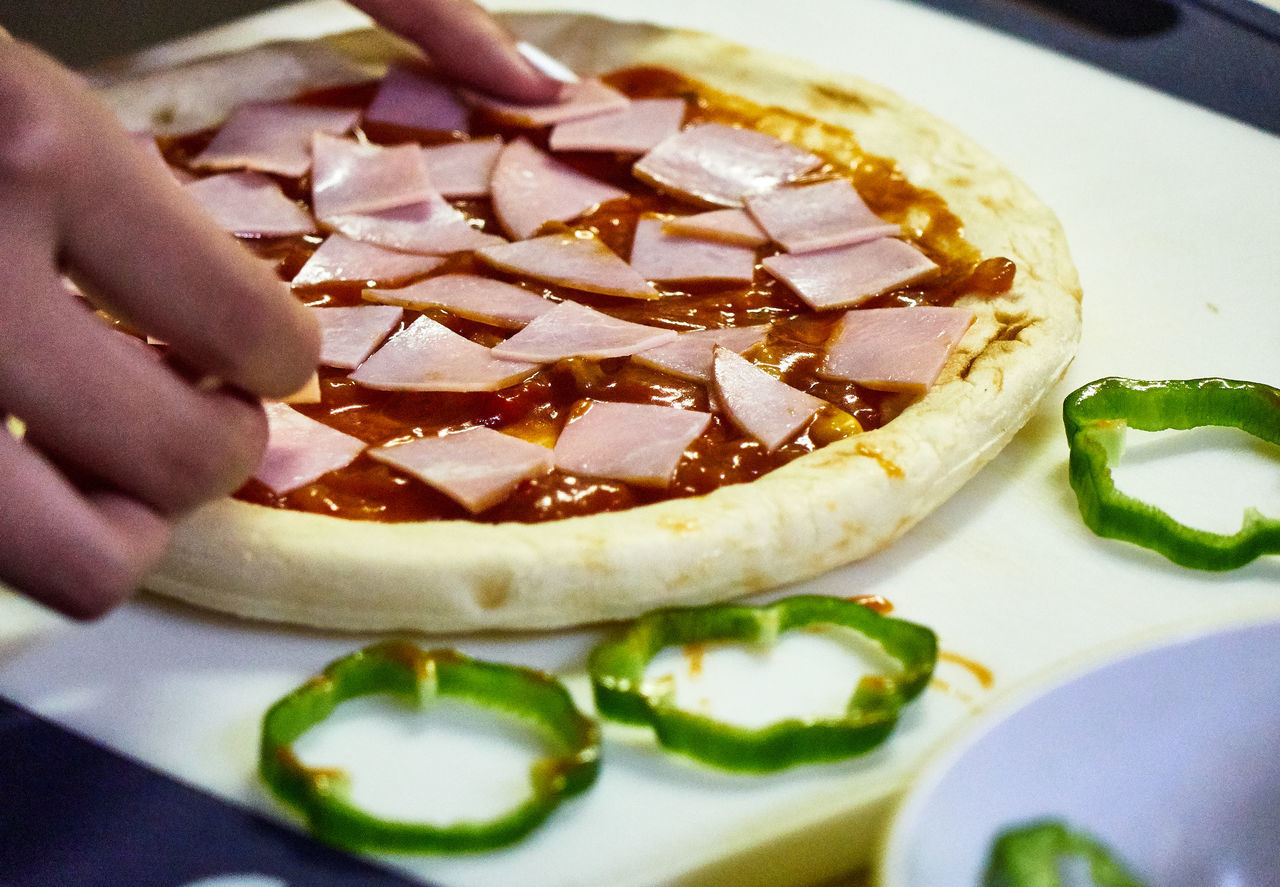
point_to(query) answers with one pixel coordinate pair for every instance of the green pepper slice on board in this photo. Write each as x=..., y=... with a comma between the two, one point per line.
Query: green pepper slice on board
x=1095, y=417
x=417, y=677
x=1033, y=855
x=617, y=678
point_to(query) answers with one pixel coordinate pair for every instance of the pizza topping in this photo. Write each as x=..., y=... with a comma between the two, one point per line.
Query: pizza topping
x=272, y=137
x=690, y=355
x=922, y=339
x=463, y=169
x=574, y=259
x=767, y=409
x=531, y=188
x=349, y=335
x=811, y=217
x=723, y=165
x=1047, y=852
x=351, y=178
x=662, y=257
x=471, y=296
x=434, y=228
x=633, y=129
x=250, y=204
x=638, y=443
x=573, y=330
x=299, y=449
x=477, y=467
x=343, y=260
x=722, y=225
x=428, y=356
x=585, y=98
x=411, y=97
x=844, y=276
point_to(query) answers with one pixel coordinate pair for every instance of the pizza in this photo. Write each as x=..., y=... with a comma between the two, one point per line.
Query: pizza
x=752, y=394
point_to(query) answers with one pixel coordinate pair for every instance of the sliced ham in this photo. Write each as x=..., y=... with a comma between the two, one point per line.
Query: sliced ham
x=477, y=468
x=350, y=177
x=531, y=188
x=573, y=330
x=272, y=137
x=846, y=275
x=470, y=296
x=690, y=355
x=463, y=169
x=414, y=98
x=433, y=228
x=668, y=257
x=722, y=165
x=762, y=406
x=633, y=129
x=637, y=443
x=343, y=260
x=300, y=449
x=428, y=356
x=250, y=204
x=810, y=217
x=575, y=259
x=349, y=335
x=894, y=349
x=584, y=98
x=721, y=225
x=308, y=393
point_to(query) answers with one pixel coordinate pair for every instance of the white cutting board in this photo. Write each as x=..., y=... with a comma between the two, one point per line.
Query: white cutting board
x=1172, y=215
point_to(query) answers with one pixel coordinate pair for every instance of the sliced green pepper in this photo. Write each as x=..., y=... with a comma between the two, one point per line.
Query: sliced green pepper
x=1096, y=416
x=617, y=677
x=417, y=677
x=1032, y=855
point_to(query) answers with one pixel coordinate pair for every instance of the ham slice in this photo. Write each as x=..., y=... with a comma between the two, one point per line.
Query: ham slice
x=250, y=204
x=531, y=188
x=340, y=259
x=690, y=355
x=463, y=169
x=350, y=177
x=633, y=129
x=477, y=468
x=846, y=275
x=429, y=356
x=575, y=259
x=659, y=256
x=894, y=349
x=349, y=335
x=300, y=449
x=433, y=228
x=573, y=330
x=470, y=296
x=272, y=137
x=765, y=408
x=414, y=98
x=584, y=98
x=810, y=217
x=722, y=165
x=721, y=225
x=638, y=443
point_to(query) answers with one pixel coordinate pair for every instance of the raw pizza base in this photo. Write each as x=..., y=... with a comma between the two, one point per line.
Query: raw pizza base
x=823, y=510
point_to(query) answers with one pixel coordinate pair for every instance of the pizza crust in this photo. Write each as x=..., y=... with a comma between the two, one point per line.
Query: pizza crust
x=825, y=509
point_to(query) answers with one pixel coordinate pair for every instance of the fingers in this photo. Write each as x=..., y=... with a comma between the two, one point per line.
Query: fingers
x=468, y=44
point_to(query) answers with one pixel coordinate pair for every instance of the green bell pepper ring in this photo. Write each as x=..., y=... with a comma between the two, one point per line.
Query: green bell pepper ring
x=417, y=677
x=1096, y=416
x=1032, y=855
x=617, y=677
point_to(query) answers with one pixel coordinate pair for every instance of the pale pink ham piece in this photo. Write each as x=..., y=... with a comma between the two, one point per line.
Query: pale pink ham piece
x=272, y=137
x=846, y=275
x=250, y=204
x=584, y=98
x=804, y=218
x=762, y=406
x=721, y=225
x=690, y=355
x=428, y=356
x=415, y=98
x=477, y=468
x=668, y=257
x=638, y=443
x=531, y=188
x=894, y=349
x=463, y=169
x=343, y=260
x=350, y=177
x=573, y=330
x=722, y=165
x=300, y=449
x=350, y=334
x=433, y=228
x=633, y=129
x=470, y=296
x=575, y=259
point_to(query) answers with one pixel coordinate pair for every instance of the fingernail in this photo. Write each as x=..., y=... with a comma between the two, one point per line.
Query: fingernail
x=545, y=63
